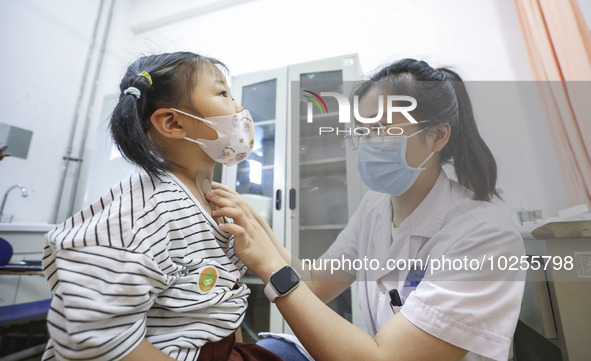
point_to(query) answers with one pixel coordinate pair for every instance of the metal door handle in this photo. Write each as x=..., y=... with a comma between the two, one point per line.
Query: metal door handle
x=292, y=199
x=278, y=200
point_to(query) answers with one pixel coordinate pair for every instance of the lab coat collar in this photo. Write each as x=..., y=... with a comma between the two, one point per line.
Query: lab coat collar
x=424, y=222
x=427, y=218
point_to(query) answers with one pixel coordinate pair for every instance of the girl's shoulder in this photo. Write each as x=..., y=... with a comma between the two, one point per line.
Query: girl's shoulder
x=136, y=194
x=119, y=212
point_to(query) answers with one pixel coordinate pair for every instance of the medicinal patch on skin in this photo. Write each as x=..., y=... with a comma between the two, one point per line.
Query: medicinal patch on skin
x=207, y=279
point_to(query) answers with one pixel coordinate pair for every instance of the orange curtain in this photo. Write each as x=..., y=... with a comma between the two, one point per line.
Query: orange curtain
x=558, y=43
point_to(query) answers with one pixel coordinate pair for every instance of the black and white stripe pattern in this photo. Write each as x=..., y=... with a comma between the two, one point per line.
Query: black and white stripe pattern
x=128, y=267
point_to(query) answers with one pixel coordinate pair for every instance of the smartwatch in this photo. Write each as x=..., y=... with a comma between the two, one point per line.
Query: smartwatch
x=282, y=282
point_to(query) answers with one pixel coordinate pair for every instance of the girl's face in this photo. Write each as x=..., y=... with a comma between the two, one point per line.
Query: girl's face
x=211, y=97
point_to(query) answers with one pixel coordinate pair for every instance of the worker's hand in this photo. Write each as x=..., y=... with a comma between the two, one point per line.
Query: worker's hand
x=251, y=243
x=2, y=154
x=237, y=198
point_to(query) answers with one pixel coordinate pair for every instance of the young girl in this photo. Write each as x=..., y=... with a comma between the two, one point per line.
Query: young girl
x=145, y=273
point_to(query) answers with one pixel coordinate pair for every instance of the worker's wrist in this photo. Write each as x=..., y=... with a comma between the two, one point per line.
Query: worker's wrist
x=270, y=268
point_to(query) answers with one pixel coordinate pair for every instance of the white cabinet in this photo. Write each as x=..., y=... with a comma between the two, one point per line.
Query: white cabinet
x=306, y=182
x=27, y=242
x=556, y=302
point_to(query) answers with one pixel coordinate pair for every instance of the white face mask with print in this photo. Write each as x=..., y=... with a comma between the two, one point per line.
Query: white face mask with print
x=235, y=137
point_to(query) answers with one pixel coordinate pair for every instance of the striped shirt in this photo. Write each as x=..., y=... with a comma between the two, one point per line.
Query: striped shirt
x=144, y=261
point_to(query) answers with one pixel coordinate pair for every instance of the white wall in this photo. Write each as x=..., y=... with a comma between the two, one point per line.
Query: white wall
x=585, y=6
x=44, y=45
x=481, y=39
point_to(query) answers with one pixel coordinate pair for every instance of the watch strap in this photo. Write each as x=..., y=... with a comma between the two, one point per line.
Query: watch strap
x=270, y=292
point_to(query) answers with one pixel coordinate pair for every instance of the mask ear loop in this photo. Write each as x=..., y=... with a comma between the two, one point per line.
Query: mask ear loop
x=417, y=132
x=194, y=141
x=430, y=155
x=425, y=161
x=194, y=117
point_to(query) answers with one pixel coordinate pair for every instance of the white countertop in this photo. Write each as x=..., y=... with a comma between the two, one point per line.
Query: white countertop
x=526, y=229
x=26, y=227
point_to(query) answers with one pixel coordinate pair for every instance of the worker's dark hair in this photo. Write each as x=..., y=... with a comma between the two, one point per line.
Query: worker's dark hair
x=442, y=98
x=162, y=81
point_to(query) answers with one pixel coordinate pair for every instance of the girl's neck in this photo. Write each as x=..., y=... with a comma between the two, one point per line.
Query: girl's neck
x=192, y=172
x=404, y=204
x=197, y=178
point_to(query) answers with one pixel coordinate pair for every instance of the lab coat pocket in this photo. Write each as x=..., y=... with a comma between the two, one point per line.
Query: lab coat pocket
x=396, y=309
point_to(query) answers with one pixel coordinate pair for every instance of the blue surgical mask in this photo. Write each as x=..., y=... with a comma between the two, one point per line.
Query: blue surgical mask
x=384, y=168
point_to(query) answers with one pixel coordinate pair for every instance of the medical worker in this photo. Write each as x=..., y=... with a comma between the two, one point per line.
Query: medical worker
x=413, y=211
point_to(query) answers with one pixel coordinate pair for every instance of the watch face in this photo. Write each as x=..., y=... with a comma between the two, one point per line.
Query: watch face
x=284, y=280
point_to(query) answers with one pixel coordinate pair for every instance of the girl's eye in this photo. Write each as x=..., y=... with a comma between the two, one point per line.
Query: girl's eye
x=224, y=94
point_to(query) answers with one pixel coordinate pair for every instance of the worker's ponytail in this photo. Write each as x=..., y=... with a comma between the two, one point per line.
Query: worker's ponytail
x=473, y=161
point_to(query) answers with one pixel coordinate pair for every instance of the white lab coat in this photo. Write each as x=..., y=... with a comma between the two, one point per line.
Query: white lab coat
x=474, y=310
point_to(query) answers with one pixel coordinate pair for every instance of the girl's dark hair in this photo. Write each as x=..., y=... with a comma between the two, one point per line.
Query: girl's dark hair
x=442, y=98
x=173, y=77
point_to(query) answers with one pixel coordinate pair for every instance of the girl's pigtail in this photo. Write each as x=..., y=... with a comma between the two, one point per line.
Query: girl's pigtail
x=153, y=82
x=129, y=125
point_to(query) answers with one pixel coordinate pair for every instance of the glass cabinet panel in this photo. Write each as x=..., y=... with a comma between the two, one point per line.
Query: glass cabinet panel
x=255, y=175
x=257, y=179
x=258, y=314
x=300, y=179
x=323, y=207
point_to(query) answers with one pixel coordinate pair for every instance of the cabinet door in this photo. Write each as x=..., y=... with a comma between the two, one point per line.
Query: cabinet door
x=319, y=165
x=260, y=179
